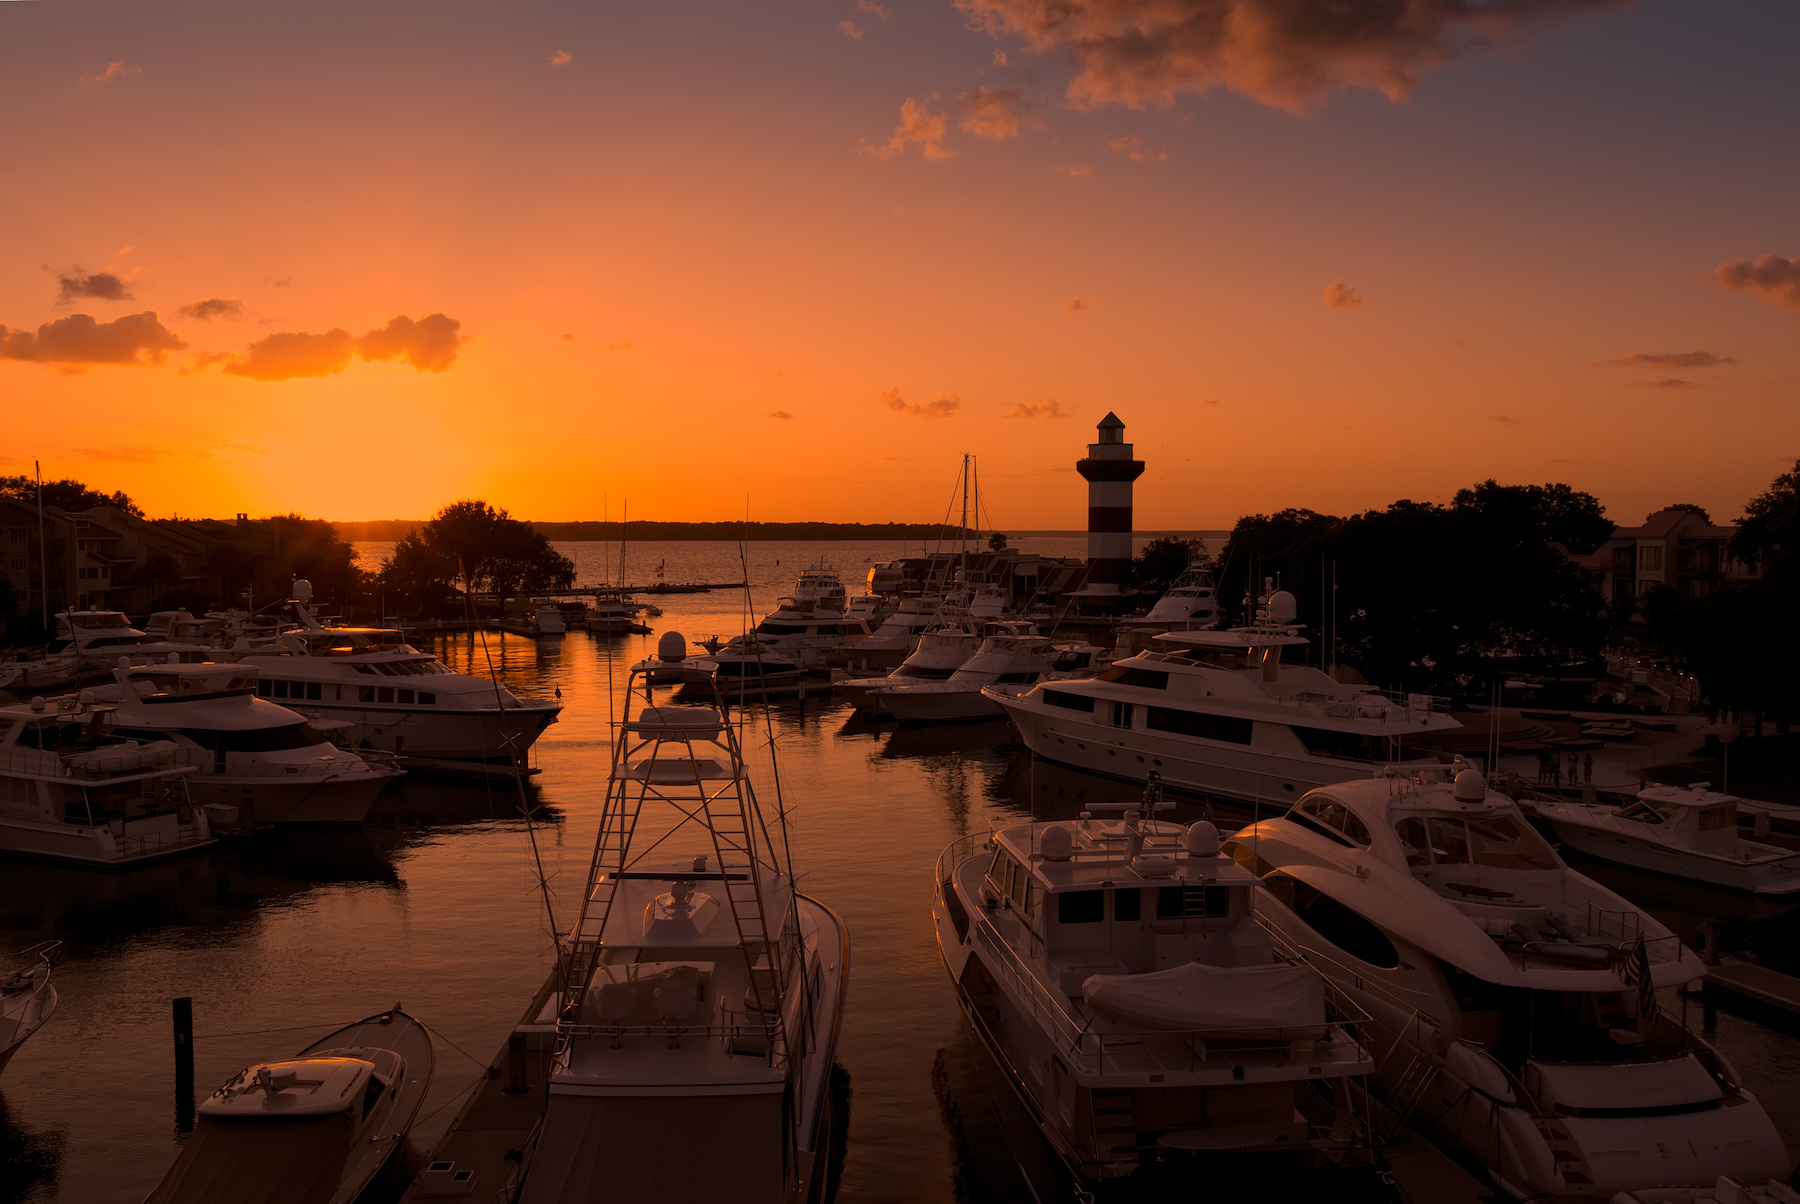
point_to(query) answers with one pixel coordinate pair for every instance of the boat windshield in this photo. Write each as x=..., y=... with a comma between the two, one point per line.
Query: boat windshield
x=1641, y=811
x=1497, y=841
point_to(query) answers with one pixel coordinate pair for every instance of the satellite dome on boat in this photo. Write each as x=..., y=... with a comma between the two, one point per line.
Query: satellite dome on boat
x=671, y=646
x=1201, y=839
x=1057, y=844
x=1282, y=607
x=1470, y=787
x=302, y=590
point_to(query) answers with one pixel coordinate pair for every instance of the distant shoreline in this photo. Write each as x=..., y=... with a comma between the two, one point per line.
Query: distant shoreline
x=384, y=530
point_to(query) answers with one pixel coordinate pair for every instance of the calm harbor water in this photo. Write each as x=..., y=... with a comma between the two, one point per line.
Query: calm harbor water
x=285, y=936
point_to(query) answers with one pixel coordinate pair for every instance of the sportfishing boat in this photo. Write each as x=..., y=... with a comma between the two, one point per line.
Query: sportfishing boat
x=252, y=753
x=1220, y=712
x=1689, y=833
x=394, y=697
x=1116, y=970
x=314, y=1129
x=1190, y=604
x=26, y=999
x=1513, y=999
x=1009, y=663
x=703, y=993
x=937, y=655
x=68, y=793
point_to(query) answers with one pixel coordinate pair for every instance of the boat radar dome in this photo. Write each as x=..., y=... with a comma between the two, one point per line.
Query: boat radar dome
x=1470, y=787
x=671, y=647
x=1201, y=839
x=1282, y=608
x=1057, y=844
x=302, y=590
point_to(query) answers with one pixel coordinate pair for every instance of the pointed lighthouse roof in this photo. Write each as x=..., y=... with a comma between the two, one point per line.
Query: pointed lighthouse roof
x=1111, y=420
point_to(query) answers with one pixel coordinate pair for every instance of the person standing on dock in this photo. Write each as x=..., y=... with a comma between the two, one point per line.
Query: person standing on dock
x=1587, y=768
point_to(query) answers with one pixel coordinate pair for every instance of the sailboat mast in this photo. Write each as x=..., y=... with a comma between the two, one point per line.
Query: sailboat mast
x=963, y=535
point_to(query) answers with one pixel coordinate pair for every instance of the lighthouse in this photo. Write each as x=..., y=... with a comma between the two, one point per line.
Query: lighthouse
x=1109, y=470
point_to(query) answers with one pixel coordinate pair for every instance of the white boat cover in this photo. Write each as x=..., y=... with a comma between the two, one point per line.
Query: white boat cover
x=1212, y=999
x=297, y=1160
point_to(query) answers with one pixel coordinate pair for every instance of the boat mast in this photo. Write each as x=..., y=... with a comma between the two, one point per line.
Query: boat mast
x=44, y=554
x=963, y=534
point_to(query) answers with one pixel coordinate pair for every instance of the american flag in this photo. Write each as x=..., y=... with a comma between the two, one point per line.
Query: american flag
x=1637, y=972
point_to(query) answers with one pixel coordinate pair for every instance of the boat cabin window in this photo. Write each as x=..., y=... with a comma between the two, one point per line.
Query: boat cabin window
x=1068, y=701
x=1227, y=729
x=256, y=739
x=1330, y=818
x=1132, y=675
x=778, y=629
x=1081, y=907
x=1192, y=902
x=1340, y=925
x=301, y=690
x=1027, y=677
x=1641, y=811
x=1246, y=858
x=1499, y=841
x=1724, y=816
x=1414, y=841
x=1348, y=746
x=1128, y=904
x=372, y=1095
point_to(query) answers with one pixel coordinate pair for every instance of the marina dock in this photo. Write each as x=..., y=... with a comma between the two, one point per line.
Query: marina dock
x=1733, y=980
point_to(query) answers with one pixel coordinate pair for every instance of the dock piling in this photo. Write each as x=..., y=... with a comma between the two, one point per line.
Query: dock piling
x=183, y=1009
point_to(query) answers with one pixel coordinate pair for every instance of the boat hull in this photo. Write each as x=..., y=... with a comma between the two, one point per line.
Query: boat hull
x=473, y=734
x=318, y=799
x=1766, y=878
x=935, y=706
x=115, y=845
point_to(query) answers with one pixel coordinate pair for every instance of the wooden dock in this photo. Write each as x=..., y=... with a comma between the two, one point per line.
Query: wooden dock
x=1733, y=979
x=481, y=1155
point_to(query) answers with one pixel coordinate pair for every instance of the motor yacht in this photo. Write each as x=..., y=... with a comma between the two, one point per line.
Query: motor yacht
x=1220, y=712
x=704, y=993
x=797, y=637
x=1116, y=970
x=1689, y=833
x=97, y=638
x=28, y=675
x=890, y=643
x=253, y=754
x=1513, y=999
x=611, y=614
x=70, y=794
x=820, y=585
x=1190, y=604
x=26, y=999
x=545, y=620
x=936, y=655
x=395, y=698
x=316, y=1127
x=1008, y=663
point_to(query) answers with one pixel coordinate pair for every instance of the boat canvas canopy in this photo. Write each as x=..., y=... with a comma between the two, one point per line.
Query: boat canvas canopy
x=1212, y=999
x=287, y=1160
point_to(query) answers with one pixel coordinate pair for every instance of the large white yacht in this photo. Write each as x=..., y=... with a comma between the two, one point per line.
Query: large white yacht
x=69, y=795
x=394, y=697
x=937, y=655
x=1514, y=999
x=1220, y=712
x=703, y=994
x=799, y=635
x=1117, y=971
x=820, y=584
x=1009, y=662
x=252, y=754
x=1190, y=604
x=898, y=634
x=98, y=638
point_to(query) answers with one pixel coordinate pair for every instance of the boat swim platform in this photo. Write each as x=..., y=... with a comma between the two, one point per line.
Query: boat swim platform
x=481, y=1154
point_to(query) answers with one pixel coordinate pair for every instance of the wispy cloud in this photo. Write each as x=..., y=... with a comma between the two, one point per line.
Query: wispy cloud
x=213, y=307
x=917, y=124
x=873, y=9
x=1133, y=148
x=1080, y=305
x=561, y=58
x=1504, y=419
x=994, y=113
x=626, y=345
x=850, y=29
x=1673, y=359
x=102, y=286
x=1075, y=169
x=782, y=414
x=1666, y=382
x=1338, y=295
x=1278, y=52
x=945, y=406
x=1773, y=278
x=429, y=344
x=78, y=341
x=113, y=71
x=1048, y=408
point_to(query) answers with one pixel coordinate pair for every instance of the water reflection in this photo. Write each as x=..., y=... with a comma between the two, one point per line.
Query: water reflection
x=30, y=1157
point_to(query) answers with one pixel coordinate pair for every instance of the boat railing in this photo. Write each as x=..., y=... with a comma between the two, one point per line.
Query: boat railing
x=960, y=851
x=1627, y=928
x=147, y=844
x=756, y=1037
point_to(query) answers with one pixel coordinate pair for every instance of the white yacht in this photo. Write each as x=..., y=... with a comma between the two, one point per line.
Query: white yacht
x=611, y=614
x=1117, y=971
x=252, y=754
x=703, y=994
x=890, y=643
x=546, y=619
x=1220, y=712
x=26, y=999
x=797, y=637
x=316, y=1127
x=1190, y=604
x=395, y=698
x=936, y=655
x=1009, y=663
x=1514, y=999
x=68, y=796
x=29, y=675
x=1689, y=833
x=98, y=638
x=820, y=585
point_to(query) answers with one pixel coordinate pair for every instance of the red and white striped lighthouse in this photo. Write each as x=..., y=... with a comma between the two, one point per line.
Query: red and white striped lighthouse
x=1109, y=470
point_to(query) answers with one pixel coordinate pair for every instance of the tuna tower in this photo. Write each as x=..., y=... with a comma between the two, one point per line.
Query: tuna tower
x=1109, y=470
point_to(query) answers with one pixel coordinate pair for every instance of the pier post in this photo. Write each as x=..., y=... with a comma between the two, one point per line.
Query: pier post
x=184, y=1064
x=1709, y=932
x=515, y=1065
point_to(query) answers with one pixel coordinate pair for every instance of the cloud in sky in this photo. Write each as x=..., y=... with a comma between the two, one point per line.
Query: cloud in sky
x=782, y=414
x=429, y=345
x=1048, y=408
x=1503, y=419
x=1667, y=382
x=945, y=406
x=873, y=9
x=1338, y=295
x=1291, y=54
x=850, y=29
x=78, y=340
x=1773, y=278
x=129, y=455
x=627, y=345
x=1076, y=169
x=103, y=286
x=1080, y=305
x=213, y=307
x=1673, y=359
x=561, y=58
x=1133, y=148
x=994, y=113
x=918, y=124
x=114, y=71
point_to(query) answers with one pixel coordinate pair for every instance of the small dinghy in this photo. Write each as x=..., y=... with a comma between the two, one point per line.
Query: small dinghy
x=26, y=1000
x=313, y=1129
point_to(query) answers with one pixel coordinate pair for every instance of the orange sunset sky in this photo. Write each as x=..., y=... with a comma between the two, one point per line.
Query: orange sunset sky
x=357, y=260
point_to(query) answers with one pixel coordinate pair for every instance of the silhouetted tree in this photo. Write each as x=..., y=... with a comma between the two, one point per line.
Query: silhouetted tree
x=473, y=541
x=1688, y=506
x=1538, y=514
x=1153, y=570
x=67, y=494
